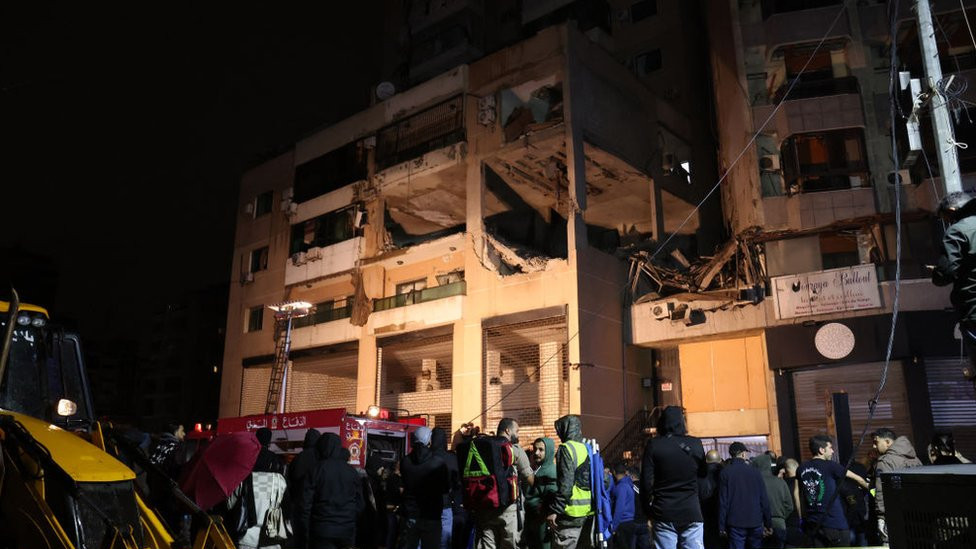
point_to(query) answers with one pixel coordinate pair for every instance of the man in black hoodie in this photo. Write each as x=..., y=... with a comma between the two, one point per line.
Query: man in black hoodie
x=332, y=499
x=268, y=461
x=438, y=446
x=672, y=464
x=300, y=472
x=425, y=482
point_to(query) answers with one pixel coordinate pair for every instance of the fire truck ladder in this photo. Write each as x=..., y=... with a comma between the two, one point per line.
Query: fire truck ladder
x=282, y=347
x=285, y=313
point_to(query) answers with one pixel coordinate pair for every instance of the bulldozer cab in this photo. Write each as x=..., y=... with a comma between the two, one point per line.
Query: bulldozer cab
x=44, y=376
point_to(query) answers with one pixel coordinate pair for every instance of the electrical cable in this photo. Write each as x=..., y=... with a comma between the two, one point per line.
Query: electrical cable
x=965, y=16
x=661, y=246
x=873, y=403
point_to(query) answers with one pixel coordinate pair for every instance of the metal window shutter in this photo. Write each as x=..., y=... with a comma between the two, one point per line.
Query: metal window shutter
x=813, y=387
x=254, y=390
x=953, y=403
x=416, y=376
x=526, y=367
x=326, y=381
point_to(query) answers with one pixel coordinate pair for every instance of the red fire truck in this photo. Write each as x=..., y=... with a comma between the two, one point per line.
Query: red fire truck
x=364, y=437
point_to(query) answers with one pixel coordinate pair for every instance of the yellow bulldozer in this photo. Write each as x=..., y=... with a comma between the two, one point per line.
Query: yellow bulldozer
x=63, y=484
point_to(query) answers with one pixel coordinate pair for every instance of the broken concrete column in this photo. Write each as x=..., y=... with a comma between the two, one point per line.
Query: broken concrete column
x=427, y=380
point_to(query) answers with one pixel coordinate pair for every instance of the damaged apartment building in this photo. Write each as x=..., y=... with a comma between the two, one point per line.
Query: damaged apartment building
x=782, y=333
x=465, y=240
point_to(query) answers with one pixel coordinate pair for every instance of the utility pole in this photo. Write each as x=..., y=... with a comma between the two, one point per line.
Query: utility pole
x=941, y=124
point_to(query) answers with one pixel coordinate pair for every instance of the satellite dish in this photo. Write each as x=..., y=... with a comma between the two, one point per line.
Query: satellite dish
x=385, y=90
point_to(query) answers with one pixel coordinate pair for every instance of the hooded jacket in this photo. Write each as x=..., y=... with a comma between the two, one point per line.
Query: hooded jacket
x=778, y=493
x=900, y=455
x=568, y=427
x=425, y=483
x=300, y=472
x=438, y=445
x=332, y=497
x=541, y=492
x=956, y=266
x=670, y=468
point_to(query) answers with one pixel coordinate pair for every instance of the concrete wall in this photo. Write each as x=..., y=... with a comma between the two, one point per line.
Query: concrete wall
x=268, y=287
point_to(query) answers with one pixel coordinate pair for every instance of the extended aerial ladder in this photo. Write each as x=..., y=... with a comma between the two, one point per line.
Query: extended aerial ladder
x=285, y=314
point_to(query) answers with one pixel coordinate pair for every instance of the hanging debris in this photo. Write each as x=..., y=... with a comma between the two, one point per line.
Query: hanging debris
x=736, y=265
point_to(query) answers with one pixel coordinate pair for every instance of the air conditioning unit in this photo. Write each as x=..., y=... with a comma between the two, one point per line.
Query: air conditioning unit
x=900, y=177
x=247, y=278
x=290, y=208
x=769, y=163
x=298, y=258
x=662, y=310
x=249, y=208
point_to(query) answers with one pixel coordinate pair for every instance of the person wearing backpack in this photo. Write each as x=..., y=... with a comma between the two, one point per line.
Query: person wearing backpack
x=571, y=510
x=491, y=467
x=670, y=468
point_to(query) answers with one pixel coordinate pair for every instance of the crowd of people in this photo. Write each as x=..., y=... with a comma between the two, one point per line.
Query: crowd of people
x=489, y=492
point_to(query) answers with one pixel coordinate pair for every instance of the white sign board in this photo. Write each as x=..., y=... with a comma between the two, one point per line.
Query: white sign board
x=822, y=292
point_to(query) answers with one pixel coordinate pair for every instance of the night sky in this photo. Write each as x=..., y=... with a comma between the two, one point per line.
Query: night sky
x=126, y=129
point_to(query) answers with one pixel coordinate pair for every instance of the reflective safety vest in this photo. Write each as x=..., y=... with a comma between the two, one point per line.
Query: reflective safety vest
x=581, y=500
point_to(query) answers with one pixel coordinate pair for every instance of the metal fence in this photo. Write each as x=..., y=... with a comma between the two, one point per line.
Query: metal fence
x=438, y=126
x=420, y=296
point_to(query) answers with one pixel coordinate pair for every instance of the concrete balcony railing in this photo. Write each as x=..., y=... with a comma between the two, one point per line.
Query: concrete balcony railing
x=435, y=309
x=322, y=262
x=813, y=114
x=793, y=27
x=916, y=295
x=807, y=211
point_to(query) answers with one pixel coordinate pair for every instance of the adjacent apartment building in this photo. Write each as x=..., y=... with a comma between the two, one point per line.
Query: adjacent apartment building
x=813, y=198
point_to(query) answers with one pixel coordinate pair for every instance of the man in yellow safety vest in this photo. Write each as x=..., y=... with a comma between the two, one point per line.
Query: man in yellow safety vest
x=571, y=511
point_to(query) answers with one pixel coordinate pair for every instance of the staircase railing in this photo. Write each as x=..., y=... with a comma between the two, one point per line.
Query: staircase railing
x=628, y=444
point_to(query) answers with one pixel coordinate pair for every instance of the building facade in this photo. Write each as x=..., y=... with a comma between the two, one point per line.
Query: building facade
x=810, y=203
x=460, y=239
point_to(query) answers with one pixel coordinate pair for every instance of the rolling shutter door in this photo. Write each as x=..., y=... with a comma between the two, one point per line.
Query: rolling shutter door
x=812, y=388
x=254, y=390
x=953, y=403
x=324, y=381
x=526, y=367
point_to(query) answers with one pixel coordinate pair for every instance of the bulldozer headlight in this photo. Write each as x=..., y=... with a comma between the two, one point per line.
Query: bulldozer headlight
x=67, y=407
x=38, y=322
x=23, y=320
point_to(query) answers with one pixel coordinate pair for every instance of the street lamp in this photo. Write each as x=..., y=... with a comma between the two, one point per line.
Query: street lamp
x=285, y=312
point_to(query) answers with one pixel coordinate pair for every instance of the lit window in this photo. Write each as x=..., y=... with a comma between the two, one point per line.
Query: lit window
x=259, y=259
x=255, y=319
